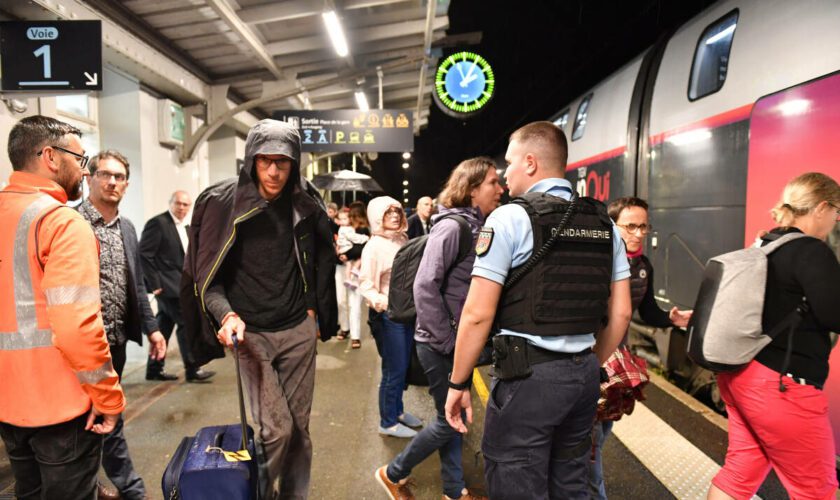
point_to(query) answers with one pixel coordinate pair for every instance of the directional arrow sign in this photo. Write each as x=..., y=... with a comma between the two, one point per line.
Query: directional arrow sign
x=50, y=55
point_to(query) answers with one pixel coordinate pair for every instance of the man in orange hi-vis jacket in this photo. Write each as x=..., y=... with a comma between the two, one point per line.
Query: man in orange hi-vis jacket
x=58, y=390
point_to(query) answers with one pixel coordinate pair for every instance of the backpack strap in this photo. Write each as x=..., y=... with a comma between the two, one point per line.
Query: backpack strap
x=792, y=320
x=776, y=241
x=465, y=244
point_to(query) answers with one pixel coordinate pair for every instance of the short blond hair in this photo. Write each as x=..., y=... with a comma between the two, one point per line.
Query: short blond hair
x=547, y=136
x=803, y=194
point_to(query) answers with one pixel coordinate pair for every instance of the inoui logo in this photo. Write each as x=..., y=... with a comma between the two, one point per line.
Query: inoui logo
x=42, y=33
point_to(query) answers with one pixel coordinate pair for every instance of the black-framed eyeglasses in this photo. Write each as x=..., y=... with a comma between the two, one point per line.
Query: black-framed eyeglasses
x=264, y=162
x=104, y=175
x=83, y=160
x=632, y=228
x=836, y=209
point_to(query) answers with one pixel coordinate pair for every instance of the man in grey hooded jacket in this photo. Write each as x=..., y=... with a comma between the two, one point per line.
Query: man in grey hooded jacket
x=261, y=265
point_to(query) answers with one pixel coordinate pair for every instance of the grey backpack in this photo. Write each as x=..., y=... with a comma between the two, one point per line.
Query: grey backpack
x=725, y=331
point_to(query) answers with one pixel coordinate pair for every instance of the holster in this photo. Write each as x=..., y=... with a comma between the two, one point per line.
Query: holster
x=510, y=357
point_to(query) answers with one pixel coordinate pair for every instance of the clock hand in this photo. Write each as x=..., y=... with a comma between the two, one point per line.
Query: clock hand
x=472, y=68
x=460, y=71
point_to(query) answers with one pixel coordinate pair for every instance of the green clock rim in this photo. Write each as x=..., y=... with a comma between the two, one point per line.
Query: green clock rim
x=461, y=106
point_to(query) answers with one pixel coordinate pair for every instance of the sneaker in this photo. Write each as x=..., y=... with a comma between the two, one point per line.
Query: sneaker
x=469, y=495
x=356, y=344
x=398, y=431
x=410, y=420
x=396, y=491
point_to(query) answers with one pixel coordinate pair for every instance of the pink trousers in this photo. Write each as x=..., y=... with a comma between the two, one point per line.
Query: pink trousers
x=788, y=431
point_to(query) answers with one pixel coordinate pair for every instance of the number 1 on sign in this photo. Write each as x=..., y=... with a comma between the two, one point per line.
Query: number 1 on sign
x=44, y=50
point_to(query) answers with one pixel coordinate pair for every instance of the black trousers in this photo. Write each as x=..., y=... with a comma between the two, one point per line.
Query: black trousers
x=168, y=318
x=115, y=458
x=58, y=462
x=537, y=439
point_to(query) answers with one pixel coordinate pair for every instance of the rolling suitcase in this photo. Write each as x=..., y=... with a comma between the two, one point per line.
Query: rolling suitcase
x=219, y=462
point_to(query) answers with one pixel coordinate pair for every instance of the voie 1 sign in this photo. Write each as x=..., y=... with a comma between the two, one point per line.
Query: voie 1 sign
x=51, y=55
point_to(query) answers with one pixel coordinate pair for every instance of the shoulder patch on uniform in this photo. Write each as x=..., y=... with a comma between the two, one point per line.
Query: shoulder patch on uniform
x=485, y=239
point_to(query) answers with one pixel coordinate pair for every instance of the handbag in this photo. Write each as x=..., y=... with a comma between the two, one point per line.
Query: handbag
x=626, y=378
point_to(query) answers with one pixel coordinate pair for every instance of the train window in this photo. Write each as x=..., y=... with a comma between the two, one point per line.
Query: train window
x=562, y=120
x=711, y=57
x=580, y=118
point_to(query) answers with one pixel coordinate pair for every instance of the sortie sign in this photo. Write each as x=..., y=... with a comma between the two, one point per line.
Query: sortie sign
x=352, y=130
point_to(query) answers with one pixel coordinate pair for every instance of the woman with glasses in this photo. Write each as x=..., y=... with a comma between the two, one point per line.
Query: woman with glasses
x=630, y=215
x=788, y=429
x=394, y=341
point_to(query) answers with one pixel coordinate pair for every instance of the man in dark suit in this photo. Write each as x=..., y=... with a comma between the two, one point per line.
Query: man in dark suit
x=162, y=248
x=418, y=224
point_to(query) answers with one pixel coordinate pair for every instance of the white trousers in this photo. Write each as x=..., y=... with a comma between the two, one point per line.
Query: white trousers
x=342, y=296
x=355, y=299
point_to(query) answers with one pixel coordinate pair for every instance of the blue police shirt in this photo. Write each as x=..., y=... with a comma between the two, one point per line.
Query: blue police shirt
x=513, y=242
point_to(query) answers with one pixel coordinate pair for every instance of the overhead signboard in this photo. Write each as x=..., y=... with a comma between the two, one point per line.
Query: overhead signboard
x=51, y=55
x=352, y=130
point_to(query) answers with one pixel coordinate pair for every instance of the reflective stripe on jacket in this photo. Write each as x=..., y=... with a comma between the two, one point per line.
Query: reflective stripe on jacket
x=54, y=357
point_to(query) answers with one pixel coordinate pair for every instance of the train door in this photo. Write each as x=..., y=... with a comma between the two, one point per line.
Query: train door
x=792, y=132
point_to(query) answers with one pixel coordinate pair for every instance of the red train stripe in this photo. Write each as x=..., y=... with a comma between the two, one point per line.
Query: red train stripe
x=606, y=155
x=725, y=118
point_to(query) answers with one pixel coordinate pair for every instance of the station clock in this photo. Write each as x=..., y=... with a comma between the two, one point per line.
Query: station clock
x=464, y=84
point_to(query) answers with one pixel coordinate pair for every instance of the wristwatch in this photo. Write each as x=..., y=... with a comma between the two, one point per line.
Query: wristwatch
x=462, y=386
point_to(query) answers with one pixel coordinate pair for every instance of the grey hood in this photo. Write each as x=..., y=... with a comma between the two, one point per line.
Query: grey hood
x=273, y=137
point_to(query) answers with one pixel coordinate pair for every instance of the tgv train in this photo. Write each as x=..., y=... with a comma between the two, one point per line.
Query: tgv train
x=708, y=125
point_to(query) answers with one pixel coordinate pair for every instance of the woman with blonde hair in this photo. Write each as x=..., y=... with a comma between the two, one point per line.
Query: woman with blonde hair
x=785, y=425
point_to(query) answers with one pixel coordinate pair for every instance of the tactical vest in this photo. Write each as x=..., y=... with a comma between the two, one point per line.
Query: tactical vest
x=566, y=293
x=639, y=279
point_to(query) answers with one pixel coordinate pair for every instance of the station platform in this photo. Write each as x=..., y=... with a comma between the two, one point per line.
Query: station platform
x=670, y=447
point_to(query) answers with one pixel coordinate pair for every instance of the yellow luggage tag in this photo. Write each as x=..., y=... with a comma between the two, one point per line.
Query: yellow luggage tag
x=231, y=456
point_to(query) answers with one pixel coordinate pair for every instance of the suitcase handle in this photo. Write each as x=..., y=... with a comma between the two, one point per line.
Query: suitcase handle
x=242, y=418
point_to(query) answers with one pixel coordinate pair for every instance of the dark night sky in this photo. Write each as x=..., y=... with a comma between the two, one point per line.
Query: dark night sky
x=544, y=54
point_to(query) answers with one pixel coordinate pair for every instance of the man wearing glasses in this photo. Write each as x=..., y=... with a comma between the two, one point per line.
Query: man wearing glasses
x=125, y=307
x=58, y=388
x=261, y=259
x=630, y=215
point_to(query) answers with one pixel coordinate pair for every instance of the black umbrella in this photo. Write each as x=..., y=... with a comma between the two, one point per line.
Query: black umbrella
x=346, y=180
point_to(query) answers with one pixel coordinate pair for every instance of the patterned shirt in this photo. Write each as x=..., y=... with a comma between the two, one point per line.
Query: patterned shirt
x=113, y=272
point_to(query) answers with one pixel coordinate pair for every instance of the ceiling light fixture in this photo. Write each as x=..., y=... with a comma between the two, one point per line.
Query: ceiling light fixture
x=406, y=155
x=361, y=101
x=336, y=33
x=405, y=165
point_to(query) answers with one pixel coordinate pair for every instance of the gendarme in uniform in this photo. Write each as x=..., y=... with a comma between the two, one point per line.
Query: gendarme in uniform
x=557, y=308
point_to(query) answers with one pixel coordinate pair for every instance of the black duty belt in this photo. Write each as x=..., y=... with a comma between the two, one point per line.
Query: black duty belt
x=538, y=355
